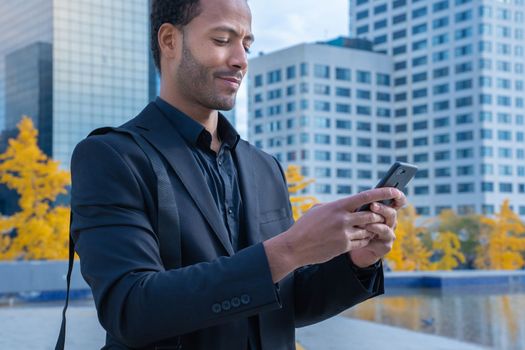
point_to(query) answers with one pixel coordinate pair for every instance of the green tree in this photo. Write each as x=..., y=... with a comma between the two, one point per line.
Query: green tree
x=38, y=230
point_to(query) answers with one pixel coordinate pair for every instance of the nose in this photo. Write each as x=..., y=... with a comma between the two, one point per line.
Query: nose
x=239, y=57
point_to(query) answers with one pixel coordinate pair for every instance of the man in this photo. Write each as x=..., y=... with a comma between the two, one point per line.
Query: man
x=248, y=274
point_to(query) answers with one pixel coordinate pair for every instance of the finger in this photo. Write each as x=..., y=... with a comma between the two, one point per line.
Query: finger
x=389, y=213
x=379, y=248
x=399, y=200
x=381, y=232
x=355, y=234
x=362, y=218
x=354, y=202
x=357, y=238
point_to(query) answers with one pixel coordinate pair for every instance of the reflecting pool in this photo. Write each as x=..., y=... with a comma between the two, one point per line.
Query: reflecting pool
x=485, y=315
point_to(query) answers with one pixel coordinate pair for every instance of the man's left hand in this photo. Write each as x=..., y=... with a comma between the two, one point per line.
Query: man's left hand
x=384, y=235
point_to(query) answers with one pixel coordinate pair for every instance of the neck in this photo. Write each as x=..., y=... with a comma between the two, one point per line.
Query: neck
x=208, y=118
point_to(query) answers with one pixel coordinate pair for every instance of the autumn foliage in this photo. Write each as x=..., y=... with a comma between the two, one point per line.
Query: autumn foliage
x=408, y=252
x=503, y=241
x=296, y=182
x=40, y=229
x=447, y=242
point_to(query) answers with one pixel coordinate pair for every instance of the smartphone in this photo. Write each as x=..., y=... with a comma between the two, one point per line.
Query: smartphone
x=398, y=176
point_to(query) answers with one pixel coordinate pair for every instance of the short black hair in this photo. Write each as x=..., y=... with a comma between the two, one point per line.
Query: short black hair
x=177, y=12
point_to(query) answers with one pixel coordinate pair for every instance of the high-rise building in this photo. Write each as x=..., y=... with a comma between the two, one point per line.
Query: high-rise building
x=72, y=66
x=458, y=81
x=327, y=108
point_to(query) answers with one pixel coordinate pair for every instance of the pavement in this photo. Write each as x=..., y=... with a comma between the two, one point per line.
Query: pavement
x=36, y=326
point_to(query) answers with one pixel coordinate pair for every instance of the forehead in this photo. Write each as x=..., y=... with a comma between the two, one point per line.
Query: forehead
x=234, y=13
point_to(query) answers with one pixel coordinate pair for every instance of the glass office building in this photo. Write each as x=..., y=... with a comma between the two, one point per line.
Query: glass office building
x=459, y=97
x=73, y=66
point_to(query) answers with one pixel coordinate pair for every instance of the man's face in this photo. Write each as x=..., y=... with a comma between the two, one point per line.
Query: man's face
x=213, y=60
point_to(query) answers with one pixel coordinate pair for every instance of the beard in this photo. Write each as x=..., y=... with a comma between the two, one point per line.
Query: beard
x=197, y=82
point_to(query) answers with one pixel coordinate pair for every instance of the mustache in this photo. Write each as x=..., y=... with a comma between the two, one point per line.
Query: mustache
x=229, y=74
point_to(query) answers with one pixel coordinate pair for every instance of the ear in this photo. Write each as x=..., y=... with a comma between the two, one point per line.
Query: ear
x=169, y=38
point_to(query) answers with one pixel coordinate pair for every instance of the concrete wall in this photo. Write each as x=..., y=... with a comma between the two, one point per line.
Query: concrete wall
x=38, y=276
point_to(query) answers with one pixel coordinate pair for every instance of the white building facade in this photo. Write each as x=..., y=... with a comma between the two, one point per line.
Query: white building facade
x=458, y=94
x=326, y=107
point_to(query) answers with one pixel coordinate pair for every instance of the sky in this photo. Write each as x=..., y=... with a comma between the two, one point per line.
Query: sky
x=282, y=23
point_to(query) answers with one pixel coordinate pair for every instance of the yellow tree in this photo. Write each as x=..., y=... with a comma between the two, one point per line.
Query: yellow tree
x=38, y=230
x=409, y=253
x=297, y=182
x=504, y=238
x=466, y=227
x=447, y=245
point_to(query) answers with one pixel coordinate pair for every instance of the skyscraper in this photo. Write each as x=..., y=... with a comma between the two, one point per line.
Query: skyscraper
x=100, y=70
x=327, y=108
x=458, y=76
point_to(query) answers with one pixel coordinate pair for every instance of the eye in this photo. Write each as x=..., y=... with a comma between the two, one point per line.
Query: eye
x=247, y=50
x=221, y=42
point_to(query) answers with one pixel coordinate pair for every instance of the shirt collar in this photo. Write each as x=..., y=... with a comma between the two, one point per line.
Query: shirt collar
x=193, y=132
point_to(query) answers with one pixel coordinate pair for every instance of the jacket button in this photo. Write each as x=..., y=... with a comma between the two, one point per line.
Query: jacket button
x=236, y=302
x=245, y=299
x=216, y=308
x=226, y=305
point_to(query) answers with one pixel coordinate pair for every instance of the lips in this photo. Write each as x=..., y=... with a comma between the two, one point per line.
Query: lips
x=232, y=80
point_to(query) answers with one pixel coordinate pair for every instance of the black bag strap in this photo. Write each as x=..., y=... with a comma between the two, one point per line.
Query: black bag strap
x=168, y=223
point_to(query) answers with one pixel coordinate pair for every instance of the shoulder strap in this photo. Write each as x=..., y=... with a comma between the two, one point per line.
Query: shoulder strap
x=167, y=219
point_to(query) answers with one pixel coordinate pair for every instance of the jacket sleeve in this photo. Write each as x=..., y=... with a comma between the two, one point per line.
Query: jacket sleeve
x=325, y=290
x=137, y=300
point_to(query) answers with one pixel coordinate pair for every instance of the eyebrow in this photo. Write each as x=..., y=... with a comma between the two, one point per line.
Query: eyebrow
x=232, y=31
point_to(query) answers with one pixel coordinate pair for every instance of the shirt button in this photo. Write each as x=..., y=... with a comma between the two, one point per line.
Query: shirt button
x=230, y=211
x=220, y=163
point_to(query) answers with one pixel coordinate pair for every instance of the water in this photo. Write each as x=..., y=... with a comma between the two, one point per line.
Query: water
x=482, y=315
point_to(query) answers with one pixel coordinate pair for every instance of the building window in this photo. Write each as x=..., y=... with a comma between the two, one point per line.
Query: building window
x=467, y=187
x=344, y=189
x=443, y=189
x=420, y=12
x=274, y=76
x=344, y=140
x=343, y=124
x=344, y=173
x=322, y=155
x=290, y=72
x=344, y=157
x=505, y=187
x=323, y=189
x=363, y=77
x=258, y=80
x=343, y=92
x=364, y=158
x=382, y=79
x=322, y=71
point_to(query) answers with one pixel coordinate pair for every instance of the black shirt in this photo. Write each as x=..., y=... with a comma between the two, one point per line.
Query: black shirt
x=219, y=169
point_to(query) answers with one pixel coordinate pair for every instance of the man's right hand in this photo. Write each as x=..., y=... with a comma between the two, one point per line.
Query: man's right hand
x=324, y=232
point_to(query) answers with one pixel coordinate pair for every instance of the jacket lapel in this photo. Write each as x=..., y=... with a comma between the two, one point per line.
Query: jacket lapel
x=249, y=191
x=157, y=129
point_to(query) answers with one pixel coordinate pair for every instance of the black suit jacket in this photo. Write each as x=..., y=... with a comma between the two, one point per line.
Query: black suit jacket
x=144, y=304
